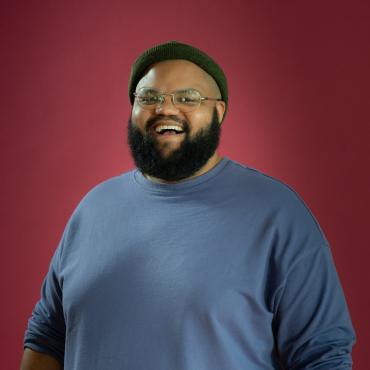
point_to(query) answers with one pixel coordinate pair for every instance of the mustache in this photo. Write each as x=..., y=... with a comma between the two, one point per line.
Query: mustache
x=169, y=118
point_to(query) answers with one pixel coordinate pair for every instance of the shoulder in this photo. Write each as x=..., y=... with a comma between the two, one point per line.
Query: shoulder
x=107, y=192
x=253, y=180
x=281, y=217
x=277, y=200
x=100, y=201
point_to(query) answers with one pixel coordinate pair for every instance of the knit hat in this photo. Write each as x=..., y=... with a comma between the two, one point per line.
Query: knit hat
x=177, y=50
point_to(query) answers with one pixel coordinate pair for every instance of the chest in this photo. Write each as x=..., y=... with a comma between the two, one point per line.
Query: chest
x=164, y=267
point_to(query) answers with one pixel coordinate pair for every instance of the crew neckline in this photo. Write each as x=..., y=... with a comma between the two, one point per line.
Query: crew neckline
x=183, y=186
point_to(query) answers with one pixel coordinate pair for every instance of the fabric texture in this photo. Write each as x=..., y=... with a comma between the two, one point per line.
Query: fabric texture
x=227, y=270
x=176, y=50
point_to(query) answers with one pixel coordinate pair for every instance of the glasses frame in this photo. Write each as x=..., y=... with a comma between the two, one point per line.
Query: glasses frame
x=162, y=95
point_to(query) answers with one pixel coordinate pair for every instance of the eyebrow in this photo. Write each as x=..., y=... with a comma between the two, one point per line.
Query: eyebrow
x=152, y=89
x=188, y=89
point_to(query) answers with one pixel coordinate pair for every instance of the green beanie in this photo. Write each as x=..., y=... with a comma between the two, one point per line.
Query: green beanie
x=177, y=50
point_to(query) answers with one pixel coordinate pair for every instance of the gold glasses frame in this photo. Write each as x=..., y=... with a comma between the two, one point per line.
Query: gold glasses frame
x=161, y=95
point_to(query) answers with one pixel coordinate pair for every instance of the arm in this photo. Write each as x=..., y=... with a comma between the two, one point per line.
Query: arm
x=312, y=324
x=33, y=360
x=45, y=333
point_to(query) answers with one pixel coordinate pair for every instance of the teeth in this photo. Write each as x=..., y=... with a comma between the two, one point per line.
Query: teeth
x=160, y=128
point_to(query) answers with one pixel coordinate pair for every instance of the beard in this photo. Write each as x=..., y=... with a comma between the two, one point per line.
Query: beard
x=183, y=162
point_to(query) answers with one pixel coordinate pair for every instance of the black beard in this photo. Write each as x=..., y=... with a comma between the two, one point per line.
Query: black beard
x=181, y=163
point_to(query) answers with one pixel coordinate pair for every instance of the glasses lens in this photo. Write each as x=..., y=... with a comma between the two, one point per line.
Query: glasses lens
x=148, y=98
x=187, y=100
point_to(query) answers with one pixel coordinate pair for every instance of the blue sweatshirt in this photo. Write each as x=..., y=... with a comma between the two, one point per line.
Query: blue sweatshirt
x=225, y=271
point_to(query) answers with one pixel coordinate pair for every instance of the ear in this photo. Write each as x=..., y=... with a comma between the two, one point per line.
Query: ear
x=220, y=107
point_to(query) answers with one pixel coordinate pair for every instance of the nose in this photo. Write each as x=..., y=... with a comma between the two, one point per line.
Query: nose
x=167, y=107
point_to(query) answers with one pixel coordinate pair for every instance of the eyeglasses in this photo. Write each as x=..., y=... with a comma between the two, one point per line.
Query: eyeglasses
x=185, y=100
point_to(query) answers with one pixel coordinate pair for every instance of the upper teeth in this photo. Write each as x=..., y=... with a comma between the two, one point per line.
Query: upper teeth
x=160, y=128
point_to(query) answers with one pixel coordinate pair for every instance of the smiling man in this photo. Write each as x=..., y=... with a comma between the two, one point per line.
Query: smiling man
x=191, y=261
x=175, y=136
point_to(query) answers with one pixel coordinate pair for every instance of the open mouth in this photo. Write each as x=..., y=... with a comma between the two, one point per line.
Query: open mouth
x=167, y=130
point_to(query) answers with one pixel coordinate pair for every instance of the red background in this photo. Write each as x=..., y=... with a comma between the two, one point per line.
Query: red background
x=299, y=81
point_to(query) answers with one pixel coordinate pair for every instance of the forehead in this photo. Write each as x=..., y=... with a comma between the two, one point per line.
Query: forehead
x=177, y=74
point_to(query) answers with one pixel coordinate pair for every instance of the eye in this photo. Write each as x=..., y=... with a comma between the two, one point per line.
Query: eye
x=187, y=97
x=148, y=99
x=148, y=96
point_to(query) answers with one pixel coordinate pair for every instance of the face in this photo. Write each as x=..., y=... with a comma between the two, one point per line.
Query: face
x=173, y=157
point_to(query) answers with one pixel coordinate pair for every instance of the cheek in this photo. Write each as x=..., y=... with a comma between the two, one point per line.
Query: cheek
x=199, y=118
x=139, y=116
x=136, y=112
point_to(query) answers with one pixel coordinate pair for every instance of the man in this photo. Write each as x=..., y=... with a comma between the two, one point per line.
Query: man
x=190, y=261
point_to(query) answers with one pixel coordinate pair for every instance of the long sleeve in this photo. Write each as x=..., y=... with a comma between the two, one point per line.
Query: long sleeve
x=46, y=327
x=313, y=329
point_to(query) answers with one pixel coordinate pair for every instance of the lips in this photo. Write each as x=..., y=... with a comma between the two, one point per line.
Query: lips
x=170, y=133
x=169, y=123
x=167, y=133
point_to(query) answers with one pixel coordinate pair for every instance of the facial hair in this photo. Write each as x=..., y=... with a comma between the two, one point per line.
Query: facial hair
x=183, y=162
